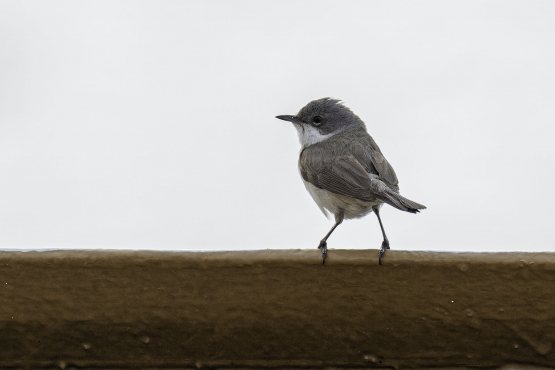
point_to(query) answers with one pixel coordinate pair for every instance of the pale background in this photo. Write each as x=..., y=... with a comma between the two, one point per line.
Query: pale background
x=133, y=124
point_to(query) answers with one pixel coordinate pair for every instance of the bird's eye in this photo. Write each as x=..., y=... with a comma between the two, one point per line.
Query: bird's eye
x=317, y=120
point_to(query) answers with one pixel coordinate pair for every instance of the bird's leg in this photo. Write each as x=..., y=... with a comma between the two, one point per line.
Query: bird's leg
x=323, y=243
x=385, y=243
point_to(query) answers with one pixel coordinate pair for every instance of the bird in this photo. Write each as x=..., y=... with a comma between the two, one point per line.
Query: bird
x=342, y=167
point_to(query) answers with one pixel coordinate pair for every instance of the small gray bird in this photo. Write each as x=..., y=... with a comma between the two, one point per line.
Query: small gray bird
x=343, y=168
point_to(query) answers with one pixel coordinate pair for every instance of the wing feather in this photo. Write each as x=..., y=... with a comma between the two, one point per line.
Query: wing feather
x=367, y=152
x=347, y=176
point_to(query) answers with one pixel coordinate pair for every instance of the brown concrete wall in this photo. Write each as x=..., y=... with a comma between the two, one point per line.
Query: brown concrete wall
x=275, y=309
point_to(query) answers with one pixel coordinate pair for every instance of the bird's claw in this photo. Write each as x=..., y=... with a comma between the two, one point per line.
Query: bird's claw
x=324, y=248
x=385, y=246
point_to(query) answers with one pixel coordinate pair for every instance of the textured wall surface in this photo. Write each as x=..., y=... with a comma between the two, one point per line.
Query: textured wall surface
x=275, y=309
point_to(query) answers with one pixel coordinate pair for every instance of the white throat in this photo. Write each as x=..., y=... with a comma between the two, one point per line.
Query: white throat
x=309, y=135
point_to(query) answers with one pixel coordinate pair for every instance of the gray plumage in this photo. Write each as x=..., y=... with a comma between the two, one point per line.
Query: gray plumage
x=342, y=167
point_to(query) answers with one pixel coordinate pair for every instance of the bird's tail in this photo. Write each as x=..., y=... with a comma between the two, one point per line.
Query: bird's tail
x=410, y=205
x=400, y=202
x=384, y=193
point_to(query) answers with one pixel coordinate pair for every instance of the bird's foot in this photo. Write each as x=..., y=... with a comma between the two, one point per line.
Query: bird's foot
x=324, y=248
x=385, y=246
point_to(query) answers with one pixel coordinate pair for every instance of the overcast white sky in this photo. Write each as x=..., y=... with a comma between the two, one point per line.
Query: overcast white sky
x=150, y=124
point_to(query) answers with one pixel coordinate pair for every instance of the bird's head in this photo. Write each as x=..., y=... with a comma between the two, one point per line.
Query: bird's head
x=321, y=119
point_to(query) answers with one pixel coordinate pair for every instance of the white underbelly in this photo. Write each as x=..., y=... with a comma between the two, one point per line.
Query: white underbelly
x=335, y=203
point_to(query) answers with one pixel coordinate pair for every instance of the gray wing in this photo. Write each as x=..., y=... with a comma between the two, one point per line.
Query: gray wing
x=346, y=176
x=367, y=152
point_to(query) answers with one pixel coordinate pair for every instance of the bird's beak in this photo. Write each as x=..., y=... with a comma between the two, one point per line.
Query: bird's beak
x=293, y=119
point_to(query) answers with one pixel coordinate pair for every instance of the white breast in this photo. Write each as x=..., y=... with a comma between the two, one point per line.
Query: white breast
x=333, y=203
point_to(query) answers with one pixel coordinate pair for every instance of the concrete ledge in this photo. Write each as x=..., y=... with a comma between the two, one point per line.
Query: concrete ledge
x=275, y=309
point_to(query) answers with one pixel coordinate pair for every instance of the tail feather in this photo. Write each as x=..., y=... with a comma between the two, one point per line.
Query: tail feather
x=394, y=199
x=400, y=202
x=411, y=206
